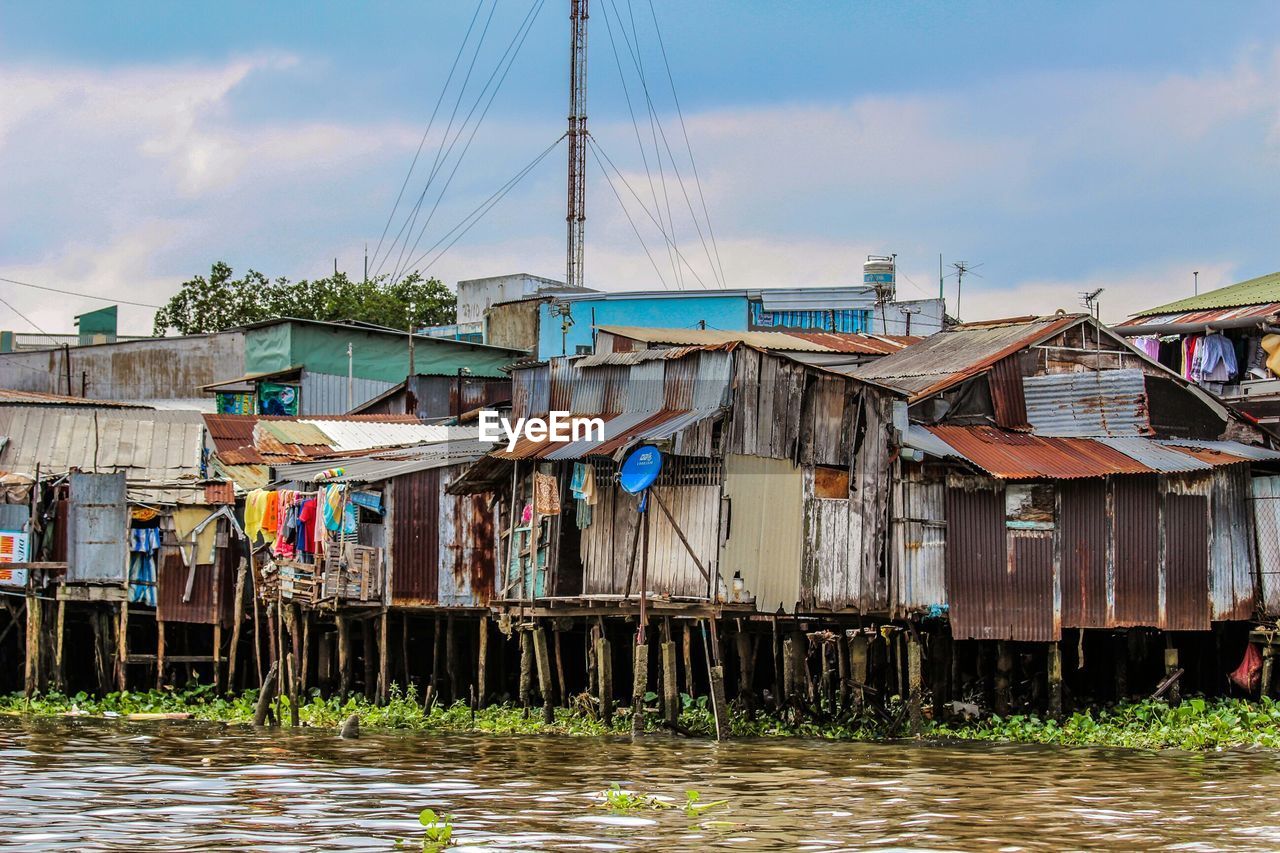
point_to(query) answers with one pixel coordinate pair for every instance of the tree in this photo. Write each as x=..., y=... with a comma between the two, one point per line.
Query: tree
x=222, y=301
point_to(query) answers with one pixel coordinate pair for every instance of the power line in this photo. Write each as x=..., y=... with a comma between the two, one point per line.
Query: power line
x=8, y=305
x=427, y=132
x=481, y=209
x=77, y=293
x=521, y=34
x=688, y=145
x=412, y=217
x=627, y=214
x=596, y=146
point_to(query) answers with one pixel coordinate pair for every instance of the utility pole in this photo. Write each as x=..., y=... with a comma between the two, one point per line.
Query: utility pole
x=576, y=216
x=1196, y=284
x=351, y=375
x=962, y=267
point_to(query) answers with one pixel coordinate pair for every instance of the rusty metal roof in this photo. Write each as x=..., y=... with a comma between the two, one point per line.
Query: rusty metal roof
x=784, y=341
x=234, y=431
x=159, y=451
x=1200, y=317
x=959, y=353
x=1089, y=403
x=634, y=357
x=1018, y=456
x=1233, y=448
x=12, y=396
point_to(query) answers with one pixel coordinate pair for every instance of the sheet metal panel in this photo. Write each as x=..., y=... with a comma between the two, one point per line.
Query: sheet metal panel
x=564, y=374
x=467, y=555
x=1136, y=537
x=1028, y=614
x=953, y=355
x=1231, y=448
x=212, y=593
x=97, y=529
x=530, y=390
x=1018, y=456
x=645, y=391
x=1088, y=403
x=326, y=394
x=1265, y=502
x=1007, y=393
x=976, y=561
x=415, y=538
x=1186, y=563
x=1084, y=536
x=1154, y=455
x=920, y=541
x=1233, y=559
x=764, y=524
x=711, y=388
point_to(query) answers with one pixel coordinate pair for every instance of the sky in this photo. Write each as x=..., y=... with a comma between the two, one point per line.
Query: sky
x=1056, y=147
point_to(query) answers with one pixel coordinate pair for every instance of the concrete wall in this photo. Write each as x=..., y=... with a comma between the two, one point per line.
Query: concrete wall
x=676, y=311
x=155, y=368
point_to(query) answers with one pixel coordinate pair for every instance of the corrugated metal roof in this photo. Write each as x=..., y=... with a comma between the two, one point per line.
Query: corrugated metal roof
x=1019, y=456
x=1254, y=291
x=633, y=357
x=158, y=451
x=11, y=396
x=785, y=341
x=1154, y=456
x=365, y=435
x=383, y=465
x=1234, y=448
x=1200, y=317
x=1092, y=403
x=959, y=353
x=619, y=432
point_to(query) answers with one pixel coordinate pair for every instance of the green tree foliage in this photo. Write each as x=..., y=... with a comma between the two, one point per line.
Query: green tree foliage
x=223, y=301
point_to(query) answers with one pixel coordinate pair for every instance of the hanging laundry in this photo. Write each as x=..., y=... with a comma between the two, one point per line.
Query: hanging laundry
x=333, y=501
x=583, y=485
x=1215, y=360
x=1150, y=345
x=144, y=543
x=271, y=516
x=255, y=507
x=546, y=494
x=185, y=521
x=143, y=513
x=306, y=526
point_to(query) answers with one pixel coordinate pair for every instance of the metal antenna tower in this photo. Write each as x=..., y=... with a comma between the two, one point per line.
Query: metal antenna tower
x=577, y=209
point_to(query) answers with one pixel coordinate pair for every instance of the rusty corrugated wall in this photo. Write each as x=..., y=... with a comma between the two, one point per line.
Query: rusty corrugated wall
x=1135, y=506
x=919, y=540
x=1083, y=536
x=212, y=592
x=977, y=561
x=1186, y=563
x=415, y=538
x=1007, y=395
x=467, y=558
x=1233, y=557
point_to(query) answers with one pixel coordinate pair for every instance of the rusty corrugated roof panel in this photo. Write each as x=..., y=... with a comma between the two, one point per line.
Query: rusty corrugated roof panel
x=1260, y=312
x=850, y=342
x=1231, y=448
x=954, y=355
x=1166, y=460
x=1017, y=456
x=1089, y=403
x=604, y=359
x=12, y=396
x=1213, y=457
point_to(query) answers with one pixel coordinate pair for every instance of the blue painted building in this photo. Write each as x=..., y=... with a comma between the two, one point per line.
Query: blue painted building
x=565, y=322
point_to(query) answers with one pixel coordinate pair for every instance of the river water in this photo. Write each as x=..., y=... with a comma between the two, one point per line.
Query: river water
x=92, y=784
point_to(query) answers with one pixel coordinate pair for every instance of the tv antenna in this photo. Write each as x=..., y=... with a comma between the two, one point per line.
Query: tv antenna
x=962, y=268
x=576, y=217
x=1090, y=301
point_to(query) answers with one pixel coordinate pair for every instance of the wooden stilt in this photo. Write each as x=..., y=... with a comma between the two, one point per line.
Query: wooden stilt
x=265, y=694
x=59, y=673
x=563, y=688
x=858, y=660
x=404, y=649
x=845, y=672
x=545, y=684
x=1122, y=667
x=639, y=685
x=715, y=679
x=304, y=676
x=1268, y=666
x=217, y=654
x=1004, y=677
x=35, y=627
x=160, y=632
x=915, y=683
x=482, y=660
x=604, y=663
x=787, y=696
x=687, y=649
x=1174, y=693
x=670, y=689
x=451, y=663
x=383, y=653
x=122, y=648
x=1054, y=669
x=437, y=650
x=742, y=645
x=237, y=620
x=344, y=656
x=593, y=670
x=370, y=674
x=102, y=648
x=828, y=674
x=526, y=670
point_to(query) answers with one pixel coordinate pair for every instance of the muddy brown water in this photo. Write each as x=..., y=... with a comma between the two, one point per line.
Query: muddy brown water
x=90, y=784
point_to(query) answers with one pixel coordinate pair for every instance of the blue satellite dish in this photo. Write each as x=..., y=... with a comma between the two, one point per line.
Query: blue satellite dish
x=640, y=469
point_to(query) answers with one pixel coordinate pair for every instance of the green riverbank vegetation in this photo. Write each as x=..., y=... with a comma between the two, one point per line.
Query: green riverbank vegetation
x=1193, y=724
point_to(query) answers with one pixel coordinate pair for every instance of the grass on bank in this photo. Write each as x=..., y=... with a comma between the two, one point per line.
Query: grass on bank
x=1194, y=724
